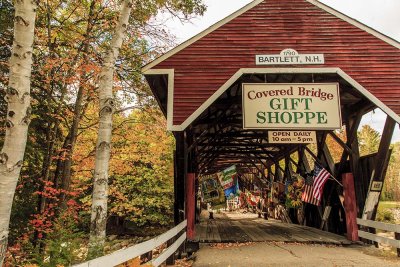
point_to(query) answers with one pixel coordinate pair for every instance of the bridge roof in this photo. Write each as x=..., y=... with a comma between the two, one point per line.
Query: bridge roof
x=189, y=78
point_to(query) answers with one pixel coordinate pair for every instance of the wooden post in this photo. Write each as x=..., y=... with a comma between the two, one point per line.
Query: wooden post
x=278, y=174
x=328, y=158
x=325, y=217
x=350, y=206
x=176, y=207
x=190, y=205
x=171, y=259
x=288, y=167
x=179, y=178
x=397, y=237
x=378, y=174
x=304, y=160
x=352, y=125
x=148, y=256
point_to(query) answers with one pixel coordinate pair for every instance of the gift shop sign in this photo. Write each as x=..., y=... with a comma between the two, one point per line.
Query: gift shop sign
x=309, y=106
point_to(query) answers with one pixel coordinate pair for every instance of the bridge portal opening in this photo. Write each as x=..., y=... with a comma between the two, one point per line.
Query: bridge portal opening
x=269, y=177
x=199, y=86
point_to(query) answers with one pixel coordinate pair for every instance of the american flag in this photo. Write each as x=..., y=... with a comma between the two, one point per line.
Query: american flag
x=307, y=195
x=321, y=176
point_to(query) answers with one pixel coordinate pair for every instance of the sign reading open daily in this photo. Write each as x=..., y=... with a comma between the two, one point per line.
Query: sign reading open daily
x=309, y=106
x=296, y=137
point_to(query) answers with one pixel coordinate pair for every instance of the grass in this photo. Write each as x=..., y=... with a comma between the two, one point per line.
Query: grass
x=385, y=212
x=388, y=205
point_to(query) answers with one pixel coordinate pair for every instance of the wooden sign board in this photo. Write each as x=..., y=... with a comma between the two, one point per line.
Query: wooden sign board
x=289, y=137
x=376, y=186
x=290, y=57
x=291, y=106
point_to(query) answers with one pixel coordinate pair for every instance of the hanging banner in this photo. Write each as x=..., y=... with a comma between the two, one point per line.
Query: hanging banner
x=229, y=181
x=294, y=187
x=227, y=177
x=211, y=190
x=311, y=106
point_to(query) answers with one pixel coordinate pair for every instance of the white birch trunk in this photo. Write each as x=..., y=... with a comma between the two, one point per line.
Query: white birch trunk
x=100, y=187
x=18, y=112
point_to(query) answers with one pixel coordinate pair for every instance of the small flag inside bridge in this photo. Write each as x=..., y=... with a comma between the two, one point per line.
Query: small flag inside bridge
x=307, y=195
x=320, y=177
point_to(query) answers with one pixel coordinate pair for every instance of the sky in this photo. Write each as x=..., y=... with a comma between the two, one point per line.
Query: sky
x=381, y=15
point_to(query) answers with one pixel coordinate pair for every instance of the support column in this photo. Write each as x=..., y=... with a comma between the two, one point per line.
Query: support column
x=303, y=161
x=352, y=141
x=179, y=178
x=190, y=205
x=278, y=174
x=350, y=206
x=288, y=167
x=379, y=172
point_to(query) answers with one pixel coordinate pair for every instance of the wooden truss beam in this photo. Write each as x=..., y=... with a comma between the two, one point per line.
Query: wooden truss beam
x=378, y=174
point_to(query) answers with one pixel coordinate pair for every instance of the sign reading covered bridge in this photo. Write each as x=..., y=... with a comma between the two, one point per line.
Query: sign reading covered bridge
x=310, y=106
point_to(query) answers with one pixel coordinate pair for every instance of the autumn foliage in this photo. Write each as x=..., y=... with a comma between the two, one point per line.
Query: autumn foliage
x=51, y=210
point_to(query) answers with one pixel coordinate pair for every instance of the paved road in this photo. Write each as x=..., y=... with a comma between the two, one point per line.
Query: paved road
x=281, y=254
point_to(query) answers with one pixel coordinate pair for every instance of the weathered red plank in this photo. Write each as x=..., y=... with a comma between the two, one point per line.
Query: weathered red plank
x=350, y=206
x=190, y=205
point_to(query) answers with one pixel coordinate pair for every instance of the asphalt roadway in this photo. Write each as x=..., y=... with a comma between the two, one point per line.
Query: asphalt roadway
x=286, y=254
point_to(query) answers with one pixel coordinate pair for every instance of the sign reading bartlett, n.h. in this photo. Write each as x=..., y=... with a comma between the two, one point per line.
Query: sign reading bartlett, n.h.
x=290, y=57
x=310, y=106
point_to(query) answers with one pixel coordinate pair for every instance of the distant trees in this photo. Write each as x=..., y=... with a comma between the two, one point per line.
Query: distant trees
x=368, y=139
x=141, y=184
x=391, y=188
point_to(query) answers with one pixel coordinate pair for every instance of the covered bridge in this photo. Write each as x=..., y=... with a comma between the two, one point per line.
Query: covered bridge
x=279, y=54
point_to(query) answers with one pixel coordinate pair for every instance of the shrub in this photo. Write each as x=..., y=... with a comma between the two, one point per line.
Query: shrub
x=385, y=215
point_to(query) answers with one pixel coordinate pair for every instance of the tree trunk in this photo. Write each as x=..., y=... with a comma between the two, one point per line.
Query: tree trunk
x=18, y=113
x=78, y=110
x=71, y=140
x=100, y=187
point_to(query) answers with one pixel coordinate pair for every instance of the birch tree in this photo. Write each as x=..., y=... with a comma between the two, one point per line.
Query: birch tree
x=18, y=112
x=103, y=146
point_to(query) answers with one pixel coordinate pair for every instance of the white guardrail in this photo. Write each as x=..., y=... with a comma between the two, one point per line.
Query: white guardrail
x=381, y=226
x=126, y=254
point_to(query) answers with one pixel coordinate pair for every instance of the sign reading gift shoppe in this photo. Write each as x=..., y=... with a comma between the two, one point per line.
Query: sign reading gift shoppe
x=312, y=106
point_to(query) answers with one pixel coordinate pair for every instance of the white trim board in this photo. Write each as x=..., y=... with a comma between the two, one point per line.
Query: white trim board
x=171, y=81
x=255, y=3
x=240, y=72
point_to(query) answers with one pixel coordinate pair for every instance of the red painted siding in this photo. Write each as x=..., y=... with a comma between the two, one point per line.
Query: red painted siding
x=204, y=66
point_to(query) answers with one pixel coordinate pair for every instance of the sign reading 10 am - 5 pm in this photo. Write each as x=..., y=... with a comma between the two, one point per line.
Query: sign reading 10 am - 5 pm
x=309, y=106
